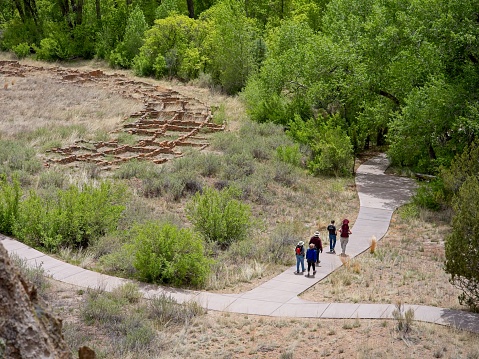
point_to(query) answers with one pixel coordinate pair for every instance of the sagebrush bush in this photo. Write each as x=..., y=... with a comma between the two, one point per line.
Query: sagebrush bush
x=282, y=241
x=35, y=274
x=167, y=254
x=136, y=169
x=16, y=155
x=166, y=310
x=255, y=188
x=285, y=174
x=128, y=325
x=171, y=184
x=238, y=166
x=51, y=178
x=102, y=308
x=219, y=216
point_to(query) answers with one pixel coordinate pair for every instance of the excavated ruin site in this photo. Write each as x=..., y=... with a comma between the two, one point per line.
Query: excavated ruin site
x=168, y=123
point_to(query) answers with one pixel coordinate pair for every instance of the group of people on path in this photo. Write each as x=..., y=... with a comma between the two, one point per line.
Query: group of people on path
x=315, y=247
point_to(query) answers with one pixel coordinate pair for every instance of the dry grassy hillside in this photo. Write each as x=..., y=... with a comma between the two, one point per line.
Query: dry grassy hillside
x=407, y=265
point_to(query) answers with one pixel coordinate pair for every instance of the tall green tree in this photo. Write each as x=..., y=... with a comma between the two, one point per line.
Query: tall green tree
x=230, y=43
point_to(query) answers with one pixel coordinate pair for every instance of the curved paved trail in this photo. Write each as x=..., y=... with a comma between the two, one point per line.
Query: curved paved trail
x=379, y=195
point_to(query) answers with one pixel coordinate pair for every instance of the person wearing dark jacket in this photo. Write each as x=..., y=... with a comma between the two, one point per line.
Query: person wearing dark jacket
x=318, y=245
x=344, y=238
x=332, y=236
x=311, y=258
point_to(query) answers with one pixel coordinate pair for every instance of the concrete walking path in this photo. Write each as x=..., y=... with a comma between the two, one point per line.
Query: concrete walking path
x=379, y=195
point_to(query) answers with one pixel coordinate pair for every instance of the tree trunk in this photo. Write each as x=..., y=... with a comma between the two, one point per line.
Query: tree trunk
x=381, y=137
x=98, y=11
x=191, y=8
x=432, y=153
x=19, y=7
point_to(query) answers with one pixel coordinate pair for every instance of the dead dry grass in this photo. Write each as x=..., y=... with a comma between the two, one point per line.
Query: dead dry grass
x=406, y=265
x=46, y=111
x=227, y=335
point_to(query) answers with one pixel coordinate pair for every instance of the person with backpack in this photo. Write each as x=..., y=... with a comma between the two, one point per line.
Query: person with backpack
x=299, y=257
x=311, y=257
x=344, y=239
x=318, y=245
x=332, y=236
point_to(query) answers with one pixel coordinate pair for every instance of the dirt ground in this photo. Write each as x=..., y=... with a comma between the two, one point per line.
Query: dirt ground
x=407, y=267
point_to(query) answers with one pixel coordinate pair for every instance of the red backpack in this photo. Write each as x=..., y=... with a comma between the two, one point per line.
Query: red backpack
x=298, y=249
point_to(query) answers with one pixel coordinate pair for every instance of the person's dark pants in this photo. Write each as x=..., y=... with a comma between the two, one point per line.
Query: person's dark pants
x=332, y=242
x=311, y=263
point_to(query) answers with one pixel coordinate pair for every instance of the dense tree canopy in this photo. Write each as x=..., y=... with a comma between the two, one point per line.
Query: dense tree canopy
x=396, y=72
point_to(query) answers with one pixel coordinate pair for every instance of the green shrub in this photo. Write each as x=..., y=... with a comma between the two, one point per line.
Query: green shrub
x=462, y=256
x=333, y=154
x=9, y=204
x=127, y=49
x=331, y=148
x=48, y=49
x=219, y=216
x=166, y=254
x=430, y=195
x=22, y=50
x=70, y=218
x=289, y=154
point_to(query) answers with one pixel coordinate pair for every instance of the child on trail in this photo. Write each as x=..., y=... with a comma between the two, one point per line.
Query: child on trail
x=332, y=236
x=299, y=257
x=344, y=239
x=311, y=258
x=318, y=245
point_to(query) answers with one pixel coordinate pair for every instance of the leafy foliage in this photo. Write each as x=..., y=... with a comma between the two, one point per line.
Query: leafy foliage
x=219, y=216
x=72, y=218
x=331, y=149
x=127, y=49
x=9, y=204
x=462, y=255
x=172, y=47
x=166, y=254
